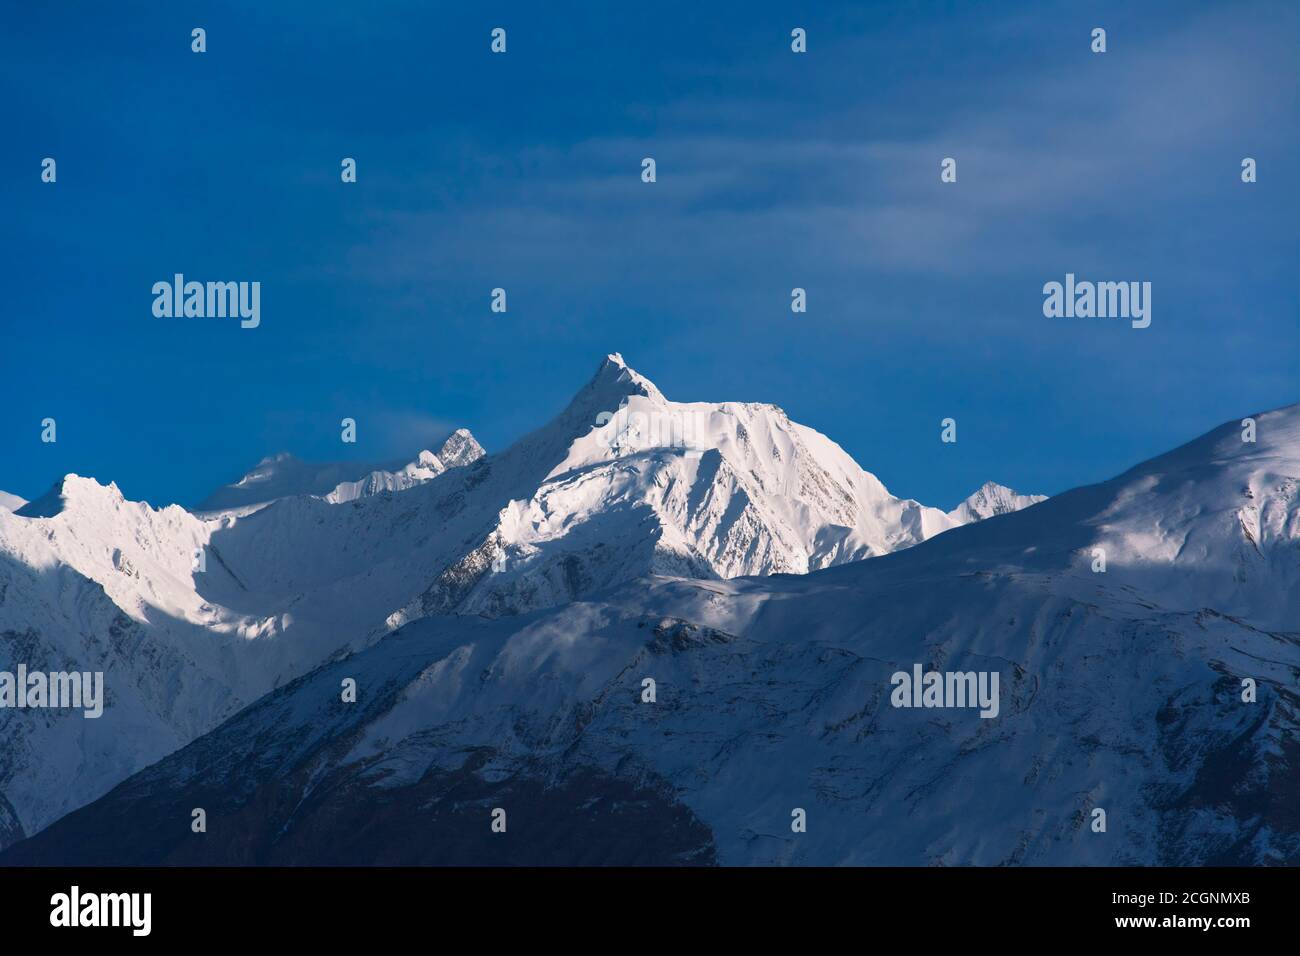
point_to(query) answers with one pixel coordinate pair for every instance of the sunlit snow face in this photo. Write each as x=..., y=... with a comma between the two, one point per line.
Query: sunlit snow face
x=639, y=425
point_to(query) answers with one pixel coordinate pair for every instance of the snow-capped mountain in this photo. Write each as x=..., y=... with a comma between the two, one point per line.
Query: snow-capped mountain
x=193, y=615
x=1145, y=632
x=284, y=476
x=92, y=582
x=625, y=483
x=992, y=499
x=10, y=502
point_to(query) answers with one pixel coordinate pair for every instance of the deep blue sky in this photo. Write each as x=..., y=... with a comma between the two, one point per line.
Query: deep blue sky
x=775, y=170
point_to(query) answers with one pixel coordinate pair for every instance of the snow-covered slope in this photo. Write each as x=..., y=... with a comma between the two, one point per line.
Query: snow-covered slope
x=625, y=482
x=10, y=502
x=1121, y=690
x=297, y=564
x=989, y=500
x=103, y=584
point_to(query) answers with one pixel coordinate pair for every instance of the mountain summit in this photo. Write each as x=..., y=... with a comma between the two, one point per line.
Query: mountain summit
x=625, y=483
x=1143, y=632
x=197, y=614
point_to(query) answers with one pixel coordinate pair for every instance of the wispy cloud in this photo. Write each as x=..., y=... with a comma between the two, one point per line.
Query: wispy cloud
x=1057, y=164
x=405, y=431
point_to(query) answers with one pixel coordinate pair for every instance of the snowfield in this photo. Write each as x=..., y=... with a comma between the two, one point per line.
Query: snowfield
x=303, y=565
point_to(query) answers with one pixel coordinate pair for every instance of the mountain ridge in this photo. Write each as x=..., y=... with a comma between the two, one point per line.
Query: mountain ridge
x=1172, y=710
x=284, y=476
x=197, y=614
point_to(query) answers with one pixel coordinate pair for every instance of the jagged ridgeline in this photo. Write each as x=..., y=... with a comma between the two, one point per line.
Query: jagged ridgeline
x=500, y=615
